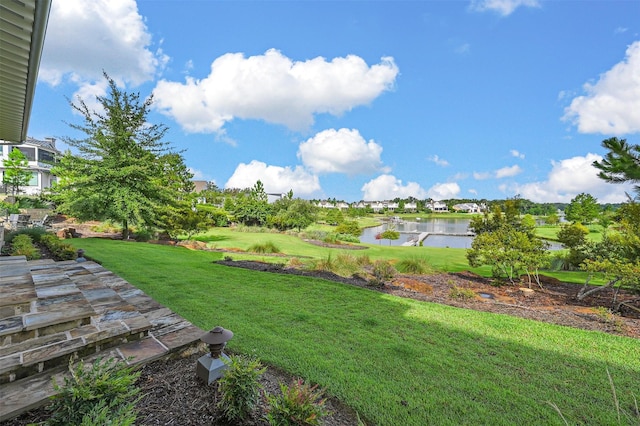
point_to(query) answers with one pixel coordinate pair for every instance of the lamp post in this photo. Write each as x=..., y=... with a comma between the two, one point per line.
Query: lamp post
x=211, y=366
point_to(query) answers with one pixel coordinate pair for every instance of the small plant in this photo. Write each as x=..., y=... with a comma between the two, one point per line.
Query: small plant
x=22, y=245
x=382, y=271
x=295, y=262
x=267, y=247
x=299, y=404
x=414, y=265
x=461, y=293
x=106, y=389
x=228, y=258
x=239, y=387
x=58, y=248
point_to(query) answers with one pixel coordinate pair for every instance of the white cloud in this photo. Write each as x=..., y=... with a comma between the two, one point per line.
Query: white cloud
x=273, y=88
x=611, y=106
x=276, y=179
x=503, y=7
x=86, y=37
x=443, y=191
x=508, y=171
x=341, y=151
x=473, y=191
x=388, y=187
x=504, y=172
x=481, y=175
x=571, y=177
x=517, y=154
x=439, y=161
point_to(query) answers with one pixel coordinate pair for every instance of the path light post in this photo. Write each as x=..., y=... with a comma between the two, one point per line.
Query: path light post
x=211, y=366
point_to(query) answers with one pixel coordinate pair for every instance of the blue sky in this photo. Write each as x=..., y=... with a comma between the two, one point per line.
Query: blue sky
x=363, y=99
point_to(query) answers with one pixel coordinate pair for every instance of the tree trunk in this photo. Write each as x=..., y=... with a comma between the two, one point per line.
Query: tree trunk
x=125, y=229
x=583, y=293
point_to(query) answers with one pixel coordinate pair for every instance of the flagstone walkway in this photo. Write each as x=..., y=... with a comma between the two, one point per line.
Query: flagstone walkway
x=51, y=312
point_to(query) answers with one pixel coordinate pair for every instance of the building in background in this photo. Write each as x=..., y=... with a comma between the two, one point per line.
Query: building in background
x=41, y=156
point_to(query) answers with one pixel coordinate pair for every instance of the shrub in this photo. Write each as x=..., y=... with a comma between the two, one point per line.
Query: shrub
x=382, y=271
x=104, y=390
x=414, y=265
x=58, y=248
x=348, y=238
x=35, y=233
x=22, y=245
x=267, y=247
x=143, y=235
x=461, y=293
x=299, y=404
x=239, y=387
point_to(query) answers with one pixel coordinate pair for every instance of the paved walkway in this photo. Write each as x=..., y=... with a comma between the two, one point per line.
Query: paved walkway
x=53, y=311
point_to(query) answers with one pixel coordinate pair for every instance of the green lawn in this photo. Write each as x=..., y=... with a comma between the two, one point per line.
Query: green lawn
x=396, y=361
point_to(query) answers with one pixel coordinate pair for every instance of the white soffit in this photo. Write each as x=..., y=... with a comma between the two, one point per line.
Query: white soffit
x=23, y=24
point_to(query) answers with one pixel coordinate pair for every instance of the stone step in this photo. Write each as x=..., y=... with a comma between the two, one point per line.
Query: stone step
x=34, y=391
x=65, y=310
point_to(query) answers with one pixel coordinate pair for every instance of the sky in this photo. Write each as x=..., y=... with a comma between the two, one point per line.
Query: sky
x=363, y=100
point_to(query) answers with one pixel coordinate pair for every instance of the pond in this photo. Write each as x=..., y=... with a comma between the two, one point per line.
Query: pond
x=452, y=233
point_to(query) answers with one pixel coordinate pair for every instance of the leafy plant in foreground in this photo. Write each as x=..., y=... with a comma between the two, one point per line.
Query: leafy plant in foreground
x=22, y=245
x=239, y=387
x=299, y=404
x=105, y=389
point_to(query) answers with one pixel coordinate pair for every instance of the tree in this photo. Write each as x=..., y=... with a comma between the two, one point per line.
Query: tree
x=390, y=234
x=583, y=208
x=621, y=163
x=509, y=251
x=293, y=213
x=16, y=172
x=251, y=207
x=617, y=257
x=119, y=172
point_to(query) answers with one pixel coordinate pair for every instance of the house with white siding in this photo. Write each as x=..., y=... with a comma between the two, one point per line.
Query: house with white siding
x=41, y=156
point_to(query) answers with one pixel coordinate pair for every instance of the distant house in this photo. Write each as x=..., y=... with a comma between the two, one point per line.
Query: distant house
x=467, y=208
x=410, y=207
x=199, y=185
x=437, y=207
x=41, y=156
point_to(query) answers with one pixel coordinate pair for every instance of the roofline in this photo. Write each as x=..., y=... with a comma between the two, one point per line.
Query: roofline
x=41, y=18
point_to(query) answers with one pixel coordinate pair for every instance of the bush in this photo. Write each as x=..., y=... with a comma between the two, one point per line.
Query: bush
x=414, y=265
x=35, y=233
x=267, y=247
x=106, y=390
x=22, y=245
x=58, y=248
x=461, y=293
x=382, y=271
x=299, y=404
x=239, y=387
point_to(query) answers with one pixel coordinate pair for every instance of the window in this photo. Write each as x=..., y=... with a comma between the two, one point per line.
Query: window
x=30, y=153
x=45, y=156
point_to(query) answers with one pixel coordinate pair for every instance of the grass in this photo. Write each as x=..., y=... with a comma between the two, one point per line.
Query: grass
x=442, y=259
x=395, y=361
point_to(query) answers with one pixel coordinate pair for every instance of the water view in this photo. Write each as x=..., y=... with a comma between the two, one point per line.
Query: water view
x=444, y=232
x=411, y=230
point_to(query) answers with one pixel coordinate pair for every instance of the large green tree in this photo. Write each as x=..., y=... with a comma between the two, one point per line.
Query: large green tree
x=16, y=172
x=621, y=163
x=583, y=208
x=121, y=170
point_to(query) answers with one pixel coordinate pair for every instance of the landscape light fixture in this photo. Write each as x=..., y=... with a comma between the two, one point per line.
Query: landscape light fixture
x=211, y=366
